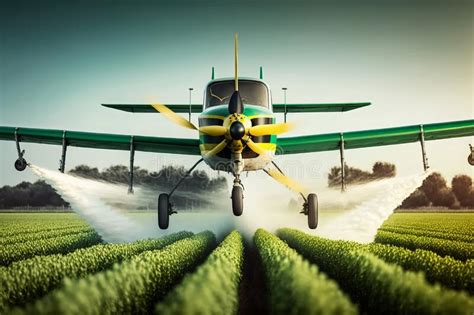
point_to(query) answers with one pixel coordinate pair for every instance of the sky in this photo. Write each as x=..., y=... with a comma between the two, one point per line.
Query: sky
x=60, y=60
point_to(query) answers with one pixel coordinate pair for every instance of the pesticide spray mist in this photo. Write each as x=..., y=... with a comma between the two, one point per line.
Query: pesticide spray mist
x=106, y=207
x=354, y=215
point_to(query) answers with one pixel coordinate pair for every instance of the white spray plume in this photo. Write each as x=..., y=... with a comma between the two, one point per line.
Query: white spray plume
x=353, y=215
x=99, y=203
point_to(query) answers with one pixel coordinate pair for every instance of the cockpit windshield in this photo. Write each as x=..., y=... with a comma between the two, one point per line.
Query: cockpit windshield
x=252, y=92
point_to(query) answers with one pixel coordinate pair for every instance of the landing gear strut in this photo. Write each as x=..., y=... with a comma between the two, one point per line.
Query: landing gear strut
x=20, y=163
x=310, y=205
x=165, y=207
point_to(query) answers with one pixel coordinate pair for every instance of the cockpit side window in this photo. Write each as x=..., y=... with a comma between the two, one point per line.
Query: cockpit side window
x=252, y=92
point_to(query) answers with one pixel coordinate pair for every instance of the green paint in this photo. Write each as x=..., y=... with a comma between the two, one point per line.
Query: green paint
x=103, y=140
x=376, y=137
x=315, y=108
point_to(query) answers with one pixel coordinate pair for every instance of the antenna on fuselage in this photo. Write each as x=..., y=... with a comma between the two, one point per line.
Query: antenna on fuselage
x=236, y=61
x=261, y=73
x=212, y=74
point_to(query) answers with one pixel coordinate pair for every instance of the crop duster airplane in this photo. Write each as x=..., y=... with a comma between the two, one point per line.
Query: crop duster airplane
x=237, y=133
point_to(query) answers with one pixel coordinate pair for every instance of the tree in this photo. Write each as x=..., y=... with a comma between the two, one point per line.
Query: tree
x=444, y=198
x=355, y=175
x=383, y=170
x=25, y=194
x=462, y=188
x=416, y=200
x=469, y=202
x=433, y=185
x=85, y=171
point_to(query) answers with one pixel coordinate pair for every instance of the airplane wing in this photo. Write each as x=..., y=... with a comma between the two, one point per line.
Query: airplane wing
x=148, y=108
x=277, y=108
x=375, y=137
x=101, y=140
x=317, y=108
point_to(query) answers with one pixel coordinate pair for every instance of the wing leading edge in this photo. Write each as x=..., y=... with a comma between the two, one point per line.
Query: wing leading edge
x=102, y=140
x=148, y=108
x=375, y=137
x=317, y=108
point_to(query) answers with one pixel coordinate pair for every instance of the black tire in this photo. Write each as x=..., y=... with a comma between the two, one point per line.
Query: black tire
x=237, y=200
x=20, y=164
x=470, y=159
x=312, y=211
x=163, y=211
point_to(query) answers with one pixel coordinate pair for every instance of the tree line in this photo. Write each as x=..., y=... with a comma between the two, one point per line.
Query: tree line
x=41, y=194
x=355, y=175
x=434, y=192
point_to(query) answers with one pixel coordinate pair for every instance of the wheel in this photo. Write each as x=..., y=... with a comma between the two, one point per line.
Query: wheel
x=470, y=159
x=163, y=211
x=237, y=200
x=312, y=211
x=20, y=164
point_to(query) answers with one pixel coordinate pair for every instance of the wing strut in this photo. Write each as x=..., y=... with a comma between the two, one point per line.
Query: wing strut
x=423, y=150
x=132, y=160
x=343, y=170
x=62, y=161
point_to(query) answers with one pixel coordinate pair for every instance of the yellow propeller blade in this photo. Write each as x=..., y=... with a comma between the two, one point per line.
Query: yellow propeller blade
x=213, y=130
x=288, y=182
x=272, y=129
x=218, y=148
x=236, y=62
x=255, y=147
x=168, y=113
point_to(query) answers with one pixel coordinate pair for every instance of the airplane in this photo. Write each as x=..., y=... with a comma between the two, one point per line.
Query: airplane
x=238, y=132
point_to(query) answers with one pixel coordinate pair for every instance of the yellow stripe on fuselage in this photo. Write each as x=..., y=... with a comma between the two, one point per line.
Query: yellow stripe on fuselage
x=212, y=117
x=224, y=117
x=209, y=146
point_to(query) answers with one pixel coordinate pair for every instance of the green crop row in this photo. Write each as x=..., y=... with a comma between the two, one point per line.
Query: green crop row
x=294, y=286
x=214, y=287
x=26, y=280
x=429, y=233
x=63, y=244
x=455, y=249
x=128, y=288
x=20, y=238
x=24, y=223
x=378, y=287
x=446, y=270
x=460, y=223
x=17, y=230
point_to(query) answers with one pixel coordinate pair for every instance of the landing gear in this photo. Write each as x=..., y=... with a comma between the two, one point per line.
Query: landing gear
x=165, y=207
x=310, y=208
x=237, y=200
x=310, y=205
x=164, y=211
x=20, y=164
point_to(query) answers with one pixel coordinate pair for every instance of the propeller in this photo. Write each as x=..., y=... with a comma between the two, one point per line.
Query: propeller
x=237, y=129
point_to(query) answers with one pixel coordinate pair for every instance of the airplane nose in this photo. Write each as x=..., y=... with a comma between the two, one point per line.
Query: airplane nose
x=237, y=130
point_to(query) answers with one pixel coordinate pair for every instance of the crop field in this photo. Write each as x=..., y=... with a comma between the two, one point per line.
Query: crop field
x=419, y=263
